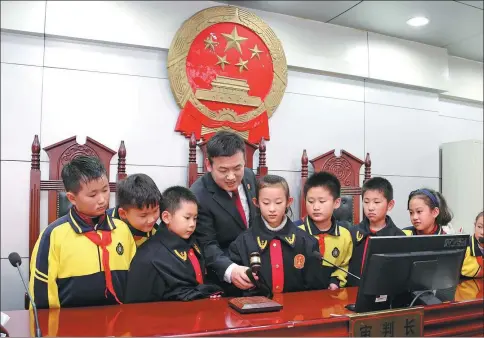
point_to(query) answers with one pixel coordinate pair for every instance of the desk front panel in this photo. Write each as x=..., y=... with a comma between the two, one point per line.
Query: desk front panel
x=313, y=313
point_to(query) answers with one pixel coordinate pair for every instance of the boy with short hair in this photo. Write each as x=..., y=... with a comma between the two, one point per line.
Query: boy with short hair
x=138, y=205
x=82, y=258
x=377, y=195
x=322, y=195
x=170, y=266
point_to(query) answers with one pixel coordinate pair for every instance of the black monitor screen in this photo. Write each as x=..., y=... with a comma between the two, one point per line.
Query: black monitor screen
x=396, y=268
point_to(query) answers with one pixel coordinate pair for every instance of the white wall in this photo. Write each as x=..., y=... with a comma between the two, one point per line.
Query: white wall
x=466, y=78
x=463, y=159
x=53, y=87
x=308, y=44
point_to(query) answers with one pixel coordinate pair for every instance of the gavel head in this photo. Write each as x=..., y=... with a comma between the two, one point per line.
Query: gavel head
x=255, y=262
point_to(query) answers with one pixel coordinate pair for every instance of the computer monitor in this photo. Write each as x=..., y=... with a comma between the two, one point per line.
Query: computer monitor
x=399, y=271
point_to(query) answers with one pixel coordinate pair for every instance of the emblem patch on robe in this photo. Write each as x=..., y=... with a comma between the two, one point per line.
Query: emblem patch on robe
x=291, y=239
x=197, y=249
x=335, y=252
x=262, y=243
x=181, y=255
x=359, y=236
x=120, y=249
x=299, y=261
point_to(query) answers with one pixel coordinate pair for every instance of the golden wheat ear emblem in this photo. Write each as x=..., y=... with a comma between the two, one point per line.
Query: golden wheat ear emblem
x=181, y=255
x=359, y=236
x=291, y=239
x=262, y=243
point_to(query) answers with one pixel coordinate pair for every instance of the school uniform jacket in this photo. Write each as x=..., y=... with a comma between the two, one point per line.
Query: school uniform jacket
x=67, y=269
x=359, y=235
x=219, y=223
x=139, y=236
x=335, y=245
x=467, y=290
x=473, y=262
x=168, y=267
x=287, y=262
x=411, y=231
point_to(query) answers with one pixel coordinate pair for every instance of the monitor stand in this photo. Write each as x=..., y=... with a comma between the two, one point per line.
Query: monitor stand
x=427, y=298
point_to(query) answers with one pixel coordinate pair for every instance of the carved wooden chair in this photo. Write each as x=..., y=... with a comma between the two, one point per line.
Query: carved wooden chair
x=60, y=154
x=347, y=169
x=250, y=148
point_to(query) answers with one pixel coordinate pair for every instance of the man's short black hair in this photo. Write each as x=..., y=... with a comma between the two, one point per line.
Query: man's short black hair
x=172, y=198
x=326, y=180
x=224, y=143
x=137, y=191
x=380, y=184
x=82, y=169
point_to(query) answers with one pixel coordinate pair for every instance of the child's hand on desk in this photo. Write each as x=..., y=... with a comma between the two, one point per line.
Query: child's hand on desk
x=333, y=286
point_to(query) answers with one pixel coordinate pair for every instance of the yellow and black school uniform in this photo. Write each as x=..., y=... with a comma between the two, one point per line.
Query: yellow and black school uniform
x=335, y=245
x=412, y=231
x=139, y=236
x=168, y=267
x=359, y=235
x=79, y=261
x=467, y=290
x=287, y=260
x=473, y=266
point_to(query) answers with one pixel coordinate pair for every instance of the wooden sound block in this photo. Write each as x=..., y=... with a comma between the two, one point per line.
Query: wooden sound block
x=254, y=304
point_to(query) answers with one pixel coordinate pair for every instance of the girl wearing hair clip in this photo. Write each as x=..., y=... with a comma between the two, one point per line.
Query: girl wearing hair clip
x=428, y=213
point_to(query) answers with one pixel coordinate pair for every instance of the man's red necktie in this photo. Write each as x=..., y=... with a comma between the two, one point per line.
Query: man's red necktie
x=238, y=205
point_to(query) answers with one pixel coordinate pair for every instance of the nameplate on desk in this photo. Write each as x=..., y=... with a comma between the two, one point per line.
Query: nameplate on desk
x=254, y=304
x=389, y=323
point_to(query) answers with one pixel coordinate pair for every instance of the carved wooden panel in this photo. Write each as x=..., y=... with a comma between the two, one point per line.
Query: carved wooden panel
x=64, y=151
x=341, y=168
x=345, y=167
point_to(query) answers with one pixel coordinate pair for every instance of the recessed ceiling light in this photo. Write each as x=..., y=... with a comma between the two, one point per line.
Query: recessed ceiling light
x=418, y=21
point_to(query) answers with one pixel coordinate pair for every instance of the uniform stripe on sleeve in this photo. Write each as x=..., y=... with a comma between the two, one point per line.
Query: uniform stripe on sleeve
x=41, y=285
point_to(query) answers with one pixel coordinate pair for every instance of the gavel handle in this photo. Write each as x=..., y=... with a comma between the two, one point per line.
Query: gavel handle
x=249, y=274
x=259, y=284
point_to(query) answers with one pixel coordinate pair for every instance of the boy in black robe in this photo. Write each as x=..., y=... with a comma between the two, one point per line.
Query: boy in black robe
x=170, y=266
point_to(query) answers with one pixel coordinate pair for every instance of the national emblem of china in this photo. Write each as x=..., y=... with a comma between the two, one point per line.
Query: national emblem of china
x=227, y=71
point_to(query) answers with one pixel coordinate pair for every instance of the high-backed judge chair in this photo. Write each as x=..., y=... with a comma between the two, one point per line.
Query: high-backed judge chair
x=59, y=154
x=347, y=169
x=250, y=148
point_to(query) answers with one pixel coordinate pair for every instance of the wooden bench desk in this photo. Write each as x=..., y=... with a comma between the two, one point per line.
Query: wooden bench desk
x=313, y=313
